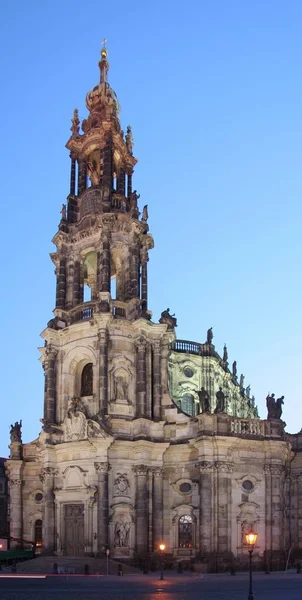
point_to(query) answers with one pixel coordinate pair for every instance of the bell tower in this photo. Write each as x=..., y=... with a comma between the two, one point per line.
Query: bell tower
x=102, y=243
x=97, y=347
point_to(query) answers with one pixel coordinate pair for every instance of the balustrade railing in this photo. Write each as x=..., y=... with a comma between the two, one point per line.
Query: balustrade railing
x=247, y=427
x=81, y=314
x=185, y=346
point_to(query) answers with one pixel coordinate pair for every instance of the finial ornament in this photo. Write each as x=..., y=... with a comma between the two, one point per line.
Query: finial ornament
x=75, y=122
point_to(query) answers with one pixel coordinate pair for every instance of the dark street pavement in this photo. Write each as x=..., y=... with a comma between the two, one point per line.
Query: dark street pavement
x=275, y=586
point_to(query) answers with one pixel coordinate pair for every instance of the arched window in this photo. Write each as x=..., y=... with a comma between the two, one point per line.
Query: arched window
x=38, y=533
x=185, y=532
x=188, y=404
x=87, y=380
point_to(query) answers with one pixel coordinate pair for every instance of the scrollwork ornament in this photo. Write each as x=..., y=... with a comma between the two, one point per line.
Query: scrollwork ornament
x=266, y=469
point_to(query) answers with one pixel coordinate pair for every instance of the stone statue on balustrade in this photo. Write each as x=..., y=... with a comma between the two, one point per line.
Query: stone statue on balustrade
x=145, y=214
x=220, y=402
x=210, y=336
x=274, y=407
x=204, y=400
x=15, y=433
x=167, y=318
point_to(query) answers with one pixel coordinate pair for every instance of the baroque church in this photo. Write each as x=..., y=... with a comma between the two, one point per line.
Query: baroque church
x=145, y=438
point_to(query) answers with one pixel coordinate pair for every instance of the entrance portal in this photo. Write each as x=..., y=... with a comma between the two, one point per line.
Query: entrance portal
x=74, y=529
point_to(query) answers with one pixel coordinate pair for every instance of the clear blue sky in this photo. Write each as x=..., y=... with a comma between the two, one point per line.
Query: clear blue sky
x=212, y=89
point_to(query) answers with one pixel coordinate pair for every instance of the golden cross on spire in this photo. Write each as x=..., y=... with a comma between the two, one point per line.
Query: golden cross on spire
x=103, y=42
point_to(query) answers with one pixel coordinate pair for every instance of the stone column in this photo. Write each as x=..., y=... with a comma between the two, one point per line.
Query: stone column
x=61, y=284
x=135, y=273
x=156, y=366
x=141, y=391
x=121, y=182
x=142, y=509
x=297, y=494
x=103, y=371
x=107, y=175
x=268, y=516
x=50, y=384
x=48, y=523
x=129, y=184
x=102, y=469
x=82, y=176
x=127, y=271
x=72, y=175
x=278, y=510
x=144, y=291
x=77, y=283
x=105, y=268
x=69, y=285
x=15, y=499
x=157, y=507
x=205, y=507
x=224, y=471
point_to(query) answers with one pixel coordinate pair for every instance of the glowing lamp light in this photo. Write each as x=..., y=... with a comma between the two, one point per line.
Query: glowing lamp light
x=1, y=546
x=251, y=538
x=162, y=547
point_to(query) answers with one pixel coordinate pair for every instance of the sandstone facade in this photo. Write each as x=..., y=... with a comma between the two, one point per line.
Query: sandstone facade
x=129, y=454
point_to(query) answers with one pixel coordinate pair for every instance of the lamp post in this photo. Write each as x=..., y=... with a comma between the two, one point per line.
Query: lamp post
x=162, y=549
x=107, y=555
x=251, y=539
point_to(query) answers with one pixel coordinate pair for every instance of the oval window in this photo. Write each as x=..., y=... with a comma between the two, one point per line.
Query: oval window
x=185, y=487
x=247, y=485
x=188, y=372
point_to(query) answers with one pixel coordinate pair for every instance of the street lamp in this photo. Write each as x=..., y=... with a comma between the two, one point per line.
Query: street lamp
x=162, y=548
x=251, y=539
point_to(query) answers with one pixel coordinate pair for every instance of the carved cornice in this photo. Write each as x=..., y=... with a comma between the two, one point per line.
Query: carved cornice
x=102, y=467
x=141, y=470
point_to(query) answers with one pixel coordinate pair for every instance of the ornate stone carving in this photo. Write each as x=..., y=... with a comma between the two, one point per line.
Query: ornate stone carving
x=157, y=471
x=75, y=426
x=121, y=485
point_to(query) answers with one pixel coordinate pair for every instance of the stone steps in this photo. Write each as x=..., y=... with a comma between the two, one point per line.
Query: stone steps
x=76, y=565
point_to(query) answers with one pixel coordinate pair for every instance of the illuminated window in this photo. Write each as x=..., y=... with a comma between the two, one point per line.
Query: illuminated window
x=185, y=532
